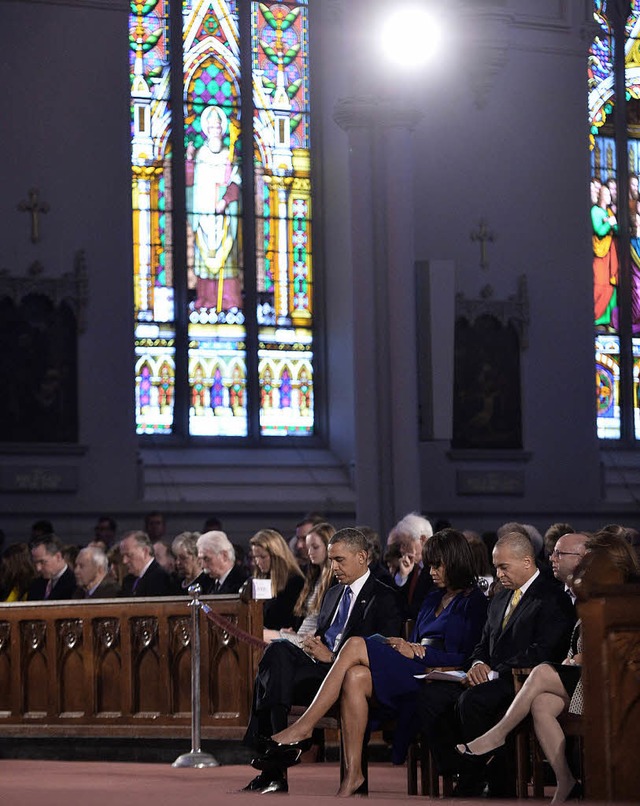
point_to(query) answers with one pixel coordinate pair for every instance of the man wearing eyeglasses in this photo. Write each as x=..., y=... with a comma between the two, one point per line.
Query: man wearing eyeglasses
x=568, y=552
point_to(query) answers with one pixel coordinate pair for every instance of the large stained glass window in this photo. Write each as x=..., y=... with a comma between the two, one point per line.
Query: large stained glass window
x=614, y=118
x=222, y=218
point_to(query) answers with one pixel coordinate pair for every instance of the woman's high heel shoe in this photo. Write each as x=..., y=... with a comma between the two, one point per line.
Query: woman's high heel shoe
x=465, y=750
x=303, y=745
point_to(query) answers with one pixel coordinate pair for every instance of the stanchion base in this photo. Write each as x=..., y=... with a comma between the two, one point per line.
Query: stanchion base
x=196, y=758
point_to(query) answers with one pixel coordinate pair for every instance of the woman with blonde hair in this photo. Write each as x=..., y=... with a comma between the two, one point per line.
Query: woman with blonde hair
x=272, y=559
x=318, y=580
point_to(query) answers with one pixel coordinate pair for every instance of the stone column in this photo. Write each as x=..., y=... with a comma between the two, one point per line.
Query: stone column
x=383, y=274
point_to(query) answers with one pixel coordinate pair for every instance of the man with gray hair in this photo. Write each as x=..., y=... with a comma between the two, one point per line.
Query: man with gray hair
x=410, y=534
x=146, y=576
x=218, y=559
x=91, y=569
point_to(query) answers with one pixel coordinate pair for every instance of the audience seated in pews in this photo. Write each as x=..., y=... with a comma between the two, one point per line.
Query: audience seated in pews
x=91, y=572
x=388, y=671
x=16, y=573
x=218, y=560
x=273, y=560
x=529, y=621
x=359, y=605
x=145, y=577
x=54, y=580
x=411, y=533
x=553, y=689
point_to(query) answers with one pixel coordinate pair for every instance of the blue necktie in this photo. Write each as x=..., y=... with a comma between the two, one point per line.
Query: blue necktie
x=340, y=620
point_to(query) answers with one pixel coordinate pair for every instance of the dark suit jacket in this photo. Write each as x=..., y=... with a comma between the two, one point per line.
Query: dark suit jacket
x=155, y=582
x=538, y=630
x=234, y=581
x=376, y=610
x=63, y=589
x=107, y=589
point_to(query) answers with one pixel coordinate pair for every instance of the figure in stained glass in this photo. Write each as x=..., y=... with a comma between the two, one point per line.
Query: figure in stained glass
x=605, y=258
x=216, y=197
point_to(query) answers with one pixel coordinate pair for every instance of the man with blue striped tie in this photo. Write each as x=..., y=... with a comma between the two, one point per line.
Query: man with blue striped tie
x=358, y=605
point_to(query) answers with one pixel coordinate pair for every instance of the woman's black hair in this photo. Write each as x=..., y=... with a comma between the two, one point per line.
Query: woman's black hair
x=450, y=548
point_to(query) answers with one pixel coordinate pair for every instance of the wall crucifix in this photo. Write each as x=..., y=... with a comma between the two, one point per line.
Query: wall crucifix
x=483, y=236
x=34, y=206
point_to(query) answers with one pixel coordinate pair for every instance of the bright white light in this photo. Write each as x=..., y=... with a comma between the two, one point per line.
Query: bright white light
x=411, y=37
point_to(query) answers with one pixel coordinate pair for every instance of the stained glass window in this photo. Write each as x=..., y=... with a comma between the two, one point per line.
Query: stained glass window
x=615, y=217
x=222, y=218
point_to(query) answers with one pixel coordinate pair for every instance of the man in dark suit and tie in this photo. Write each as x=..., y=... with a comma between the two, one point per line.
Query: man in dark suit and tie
x=287, y=674
x=91, y=571
x=412, y=578
x=529, y=622
x=55, y=579
x=218, y=559
x=146, y=576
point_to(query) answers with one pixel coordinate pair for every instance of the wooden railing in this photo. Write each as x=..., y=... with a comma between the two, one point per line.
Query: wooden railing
x=122, y=668
x=611, y=674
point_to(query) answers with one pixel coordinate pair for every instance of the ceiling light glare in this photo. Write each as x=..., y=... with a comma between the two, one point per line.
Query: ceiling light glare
x=411, y=37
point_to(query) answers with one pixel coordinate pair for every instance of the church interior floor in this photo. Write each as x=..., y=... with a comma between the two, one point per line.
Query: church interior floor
x=63, y=783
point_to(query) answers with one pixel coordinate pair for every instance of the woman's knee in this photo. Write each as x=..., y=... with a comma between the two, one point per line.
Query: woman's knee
x=358, y=679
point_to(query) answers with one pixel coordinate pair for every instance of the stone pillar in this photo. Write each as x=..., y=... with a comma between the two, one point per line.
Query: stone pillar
x=383, y=273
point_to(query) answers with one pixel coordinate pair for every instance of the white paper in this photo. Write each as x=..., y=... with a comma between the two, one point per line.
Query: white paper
x=261, y=588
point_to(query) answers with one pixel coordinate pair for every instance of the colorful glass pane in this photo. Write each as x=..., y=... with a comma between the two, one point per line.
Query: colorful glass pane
x=284, y=222
x=215, y=314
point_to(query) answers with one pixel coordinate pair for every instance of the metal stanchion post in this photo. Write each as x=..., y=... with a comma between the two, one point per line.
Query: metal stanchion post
x=196, y=758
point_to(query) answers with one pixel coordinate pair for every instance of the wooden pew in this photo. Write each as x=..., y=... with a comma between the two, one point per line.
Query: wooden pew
x=611, y=675
x=122, y=668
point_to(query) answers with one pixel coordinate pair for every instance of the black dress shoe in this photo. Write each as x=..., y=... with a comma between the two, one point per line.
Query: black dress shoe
x=258, y=783
x=278, y=785
x=277, y=757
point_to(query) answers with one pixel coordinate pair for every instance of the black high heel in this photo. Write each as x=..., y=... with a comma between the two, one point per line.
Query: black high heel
x=303, y=745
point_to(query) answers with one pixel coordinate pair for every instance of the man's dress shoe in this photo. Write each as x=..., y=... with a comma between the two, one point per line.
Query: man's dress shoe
x=278, y=785
x=258, y=783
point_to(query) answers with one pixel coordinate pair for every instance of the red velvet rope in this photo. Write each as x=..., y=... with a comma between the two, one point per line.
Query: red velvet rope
x=224, y=624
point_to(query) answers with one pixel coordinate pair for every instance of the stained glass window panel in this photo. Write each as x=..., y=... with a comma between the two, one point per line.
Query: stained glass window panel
x=193, y=289
x=284, y=217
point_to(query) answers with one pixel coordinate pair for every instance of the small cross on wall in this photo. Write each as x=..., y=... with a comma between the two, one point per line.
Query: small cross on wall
x=34, y=206
x=483, y=236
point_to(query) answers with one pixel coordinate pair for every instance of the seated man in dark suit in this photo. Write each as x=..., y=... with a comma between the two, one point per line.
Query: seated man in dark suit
x=91, y=569
x=146, y=576
x=529, y=621
x=412, y=578
x=55, y=579
x=218, y=559
x=359, y=605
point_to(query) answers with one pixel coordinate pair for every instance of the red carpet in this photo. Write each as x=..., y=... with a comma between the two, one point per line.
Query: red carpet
x=73, y=783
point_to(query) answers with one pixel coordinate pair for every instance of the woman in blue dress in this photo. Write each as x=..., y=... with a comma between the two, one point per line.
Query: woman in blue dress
x=381, y=672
